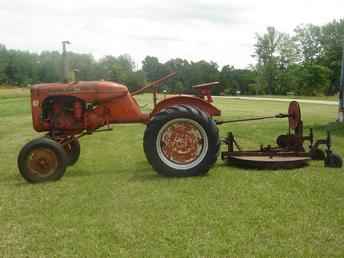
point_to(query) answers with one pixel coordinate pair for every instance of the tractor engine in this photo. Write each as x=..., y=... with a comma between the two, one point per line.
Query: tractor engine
x=71, y=115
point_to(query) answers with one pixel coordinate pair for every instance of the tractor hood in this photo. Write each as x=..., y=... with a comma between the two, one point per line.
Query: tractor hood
x=89, y=91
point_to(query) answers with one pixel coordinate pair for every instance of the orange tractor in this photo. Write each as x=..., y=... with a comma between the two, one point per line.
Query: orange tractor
x=181, y=138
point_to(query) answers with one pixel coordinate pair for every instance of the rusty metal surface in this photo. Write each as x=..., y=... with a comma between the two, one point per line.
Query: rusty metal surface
x=187, y=100
x=97, y=104
x=181, y=142
x=110, y=102
x=289, y=153
x=273, y=153
x=205, y=85
x=204, y=90
x=266, y=162
x=42, y=162
x=294, y=113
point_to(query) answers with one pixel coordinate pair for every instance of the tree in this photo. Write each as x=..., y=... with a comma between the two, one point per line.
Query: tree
x=308, y=43
x=20, y=69
x=49, y=66
x=135, y=80
x=3, y=64
x=265, y=51
x=312, y=79
x=86, y=65
x=181, y=81
x=332, y=41
x=227, y=79
x=153, y=69
x=287, y=56
x=202, y=72
x=105, y=66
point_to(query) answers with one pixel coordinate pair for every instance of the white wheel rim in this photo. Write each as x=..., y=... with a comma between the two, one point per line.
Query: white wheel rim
x=182, y=143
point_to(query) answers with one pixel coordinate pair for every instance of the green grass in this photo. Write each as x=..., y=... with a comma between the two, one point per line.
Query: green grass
x=112, y=204
x=8, y=92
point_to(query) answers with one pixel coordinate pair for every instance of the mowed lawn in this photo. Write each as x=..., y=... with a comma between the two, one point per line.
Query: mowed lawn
x=112, y=204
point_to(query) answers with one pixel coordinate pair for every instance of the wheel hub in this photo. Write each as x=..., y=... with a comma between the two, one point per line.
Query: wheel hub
x=181, y=142
x=42, y=162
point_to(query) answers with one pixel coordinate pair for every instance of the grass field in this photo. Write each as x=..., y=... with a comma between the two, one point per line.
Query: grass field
x=112, y=204
x=10, y=92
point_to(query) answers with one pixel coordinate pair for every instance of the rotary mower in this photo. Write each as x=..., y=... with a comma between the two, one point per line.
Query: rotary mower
x=290, y=150
x=181, y=137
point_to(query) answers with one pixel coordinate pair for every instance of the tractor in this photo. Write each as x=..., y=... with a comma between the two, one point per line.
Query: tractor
x=181, y=137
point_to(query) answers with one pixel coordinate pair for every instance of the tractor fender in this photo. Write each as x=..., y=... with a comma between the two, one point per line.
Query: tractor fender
x=187, y=100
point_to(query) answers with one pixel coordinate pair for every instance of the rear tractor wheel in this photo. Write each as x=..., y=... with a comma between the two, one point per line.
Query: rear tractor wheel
x=42, y=160
x=181, y=141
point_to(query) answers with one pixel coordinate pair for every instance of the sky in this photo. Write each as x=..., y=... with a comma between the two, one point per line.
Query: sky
x=212, y=30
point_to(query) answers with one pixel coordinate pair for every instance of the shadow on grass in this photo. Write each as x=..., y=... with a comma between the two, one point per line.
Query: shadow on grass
x=140, y=177
x=243, y=168
x=18, y=181
x=148, y=174
x=92, y=173
x=145, y=172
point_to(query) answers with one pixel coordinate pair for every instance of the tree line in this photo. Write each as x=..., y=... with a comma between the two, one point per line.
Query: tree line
x=307, y=62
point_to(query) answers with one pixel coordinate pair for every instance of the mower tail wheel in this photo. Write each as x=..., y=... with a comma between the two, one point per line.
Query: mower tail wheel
x=73, y=151
x=181, y=141
x=333, y=161
x=42, y=160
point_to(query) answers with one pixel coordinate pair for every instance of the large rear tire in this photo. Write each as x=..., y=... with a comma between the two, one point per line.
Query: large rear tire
x=181, y=141
x=42, y=160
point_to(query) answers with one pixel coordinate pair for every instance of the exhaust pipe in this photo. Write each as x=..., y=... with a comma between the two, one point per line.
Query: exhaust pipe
x=65, y=60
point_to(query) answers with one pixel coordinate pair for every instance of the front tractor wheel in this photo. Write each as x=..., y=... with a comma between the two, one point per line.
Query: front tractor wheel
x=72, y=149
x=181, y=141
x=42, y=160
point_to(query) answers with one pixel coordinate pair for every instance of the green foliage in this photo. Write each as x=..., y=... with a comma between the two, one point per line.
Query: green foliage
x=332, y=41
x=3, y=64
x=234, y=80
x=274, y=51
x=312, y=79
x=308, y=41
x=50, y=66
x=85, y=63
x=153, y=69
x=265, y=51
x=307, y=62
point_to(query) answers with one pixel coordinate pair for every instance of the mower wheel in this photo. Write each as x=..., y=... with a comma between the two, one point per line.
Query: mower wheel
x=181, y=141
x=73, y=151
x=317, y=154
x=333, y=161
x=42, y=160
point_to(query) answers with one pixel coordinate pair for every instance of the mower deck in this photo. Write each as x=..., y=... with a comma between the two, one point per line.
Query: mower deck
x=268, y=162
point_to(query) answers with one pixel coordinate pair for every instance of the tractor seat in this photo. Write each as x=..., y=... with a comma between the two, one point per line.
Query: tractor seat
x=204, y=90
